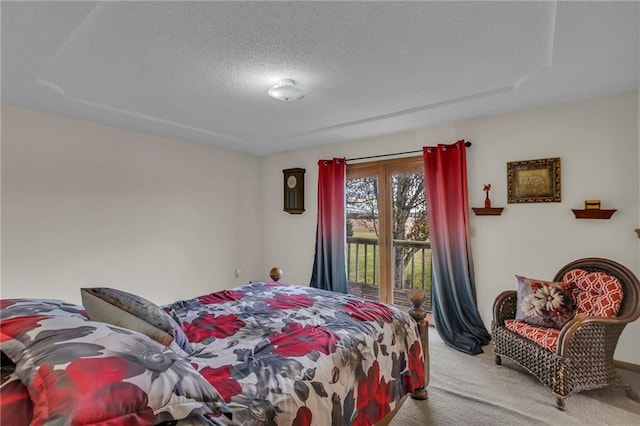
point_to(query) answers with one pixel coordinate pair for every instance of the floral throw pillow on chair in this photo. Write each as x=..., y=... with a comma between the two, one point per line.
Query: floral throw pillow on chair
x=544, y=303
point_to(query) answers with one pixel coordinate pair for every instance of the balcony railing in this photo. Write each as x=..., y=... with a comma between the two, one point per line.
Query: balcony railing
x=363, y=258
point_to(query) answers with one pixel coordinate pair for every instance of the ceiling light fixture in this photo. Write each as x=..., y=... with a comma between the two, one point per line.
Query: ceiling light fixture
x=286, y=90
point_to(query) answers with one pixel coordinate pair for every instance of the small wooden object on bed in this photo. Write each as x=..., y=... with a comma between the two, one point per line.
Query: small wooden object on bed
x=275, y=274
x=417, y=298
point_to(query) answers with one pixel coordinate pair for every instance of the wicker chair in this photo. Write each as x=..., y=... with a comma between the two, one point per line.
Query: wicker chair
x=585, y=346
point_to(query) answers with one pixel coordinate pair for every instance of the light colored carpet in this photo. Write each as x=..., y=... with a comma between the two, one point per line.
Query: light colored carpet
x=472, y=390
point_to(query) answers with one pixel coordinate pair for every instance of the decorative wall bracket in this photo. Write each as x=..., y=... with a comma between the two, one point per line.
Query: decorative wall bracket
x=593, y=213
x=490, y=211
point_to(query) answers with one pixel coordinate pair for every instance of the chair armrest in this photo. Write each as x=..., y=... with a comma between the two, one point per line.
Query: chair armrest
x=504, y=307
x=586, y=327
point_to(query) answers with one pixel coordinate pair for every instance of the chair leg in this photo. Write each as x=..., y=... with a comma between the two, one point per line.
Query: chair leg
x=560, y=404
x=497, y=359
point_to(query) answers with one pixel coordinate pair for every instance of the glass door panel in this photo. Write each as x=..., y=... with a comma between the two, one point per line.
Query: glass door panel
x=363, y=231
x=410, y=248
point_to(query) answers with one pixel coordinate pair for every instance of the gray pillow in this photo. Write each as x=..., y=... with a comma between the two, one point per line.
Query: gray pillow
x=131, y=311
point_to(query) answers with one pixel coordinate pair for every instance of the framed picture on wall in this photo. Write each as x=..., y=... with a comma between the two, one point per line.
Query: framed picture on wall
x=534, y=181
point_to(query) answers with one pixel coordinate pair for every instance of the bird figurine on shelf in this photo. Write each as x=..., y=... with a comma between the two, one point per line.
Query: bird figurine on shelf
x=487, y=201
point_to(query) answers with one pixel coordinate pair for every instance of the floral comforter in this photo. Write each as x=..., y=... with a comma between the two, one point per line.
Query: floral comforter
x=58, y=367
x=290, y=355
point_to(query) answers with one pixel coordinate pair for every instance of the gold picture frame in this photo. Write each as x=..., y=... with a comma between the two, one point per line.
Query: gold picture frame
x=534, y=181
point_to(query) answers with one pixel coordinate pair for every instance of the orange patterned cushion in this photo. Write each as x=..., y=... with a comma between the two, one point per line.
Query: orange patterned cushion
x=596, y=293
x=546, y=337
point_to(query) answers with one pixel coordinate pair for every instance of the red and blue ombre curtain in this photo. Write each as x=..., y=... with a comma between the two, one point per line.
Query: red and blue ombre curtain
x=329, y=266
x=454, y=306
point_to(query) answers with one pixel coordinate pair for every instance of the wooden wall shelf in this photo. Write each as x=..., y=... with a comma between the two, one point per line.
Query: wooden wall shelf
x=491, y=211
x=593, y=213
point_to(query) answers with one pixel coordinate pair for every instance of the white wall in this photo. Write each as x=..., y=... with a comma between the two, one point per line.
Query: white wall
x=87, y=205
x=597, y=141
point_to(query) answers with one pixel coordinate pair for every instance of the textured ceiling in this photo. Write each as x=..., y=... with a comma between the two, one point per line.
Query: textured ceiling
x=199, y=71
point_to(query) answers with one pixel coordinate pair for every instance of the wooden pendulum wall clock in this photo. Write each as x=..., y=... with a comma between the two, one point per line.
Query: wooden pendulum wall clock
x=294, y=191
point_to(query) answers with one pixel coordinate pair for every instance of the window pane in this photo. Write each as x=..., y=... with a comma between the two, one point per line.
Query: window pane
x=411, y=249
x=363, y=254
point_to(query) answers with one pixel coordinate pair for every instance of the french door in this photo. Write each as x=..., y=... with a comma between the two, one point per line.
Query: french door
x=388, y=251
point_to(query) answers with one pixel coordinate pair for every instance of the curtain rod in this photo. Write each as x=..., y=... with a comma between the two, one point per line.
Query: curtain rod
x=467, y=144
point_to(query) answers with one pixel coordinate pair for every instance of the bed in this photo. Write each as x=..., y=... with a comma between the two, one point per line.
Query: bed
x=265, y=353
